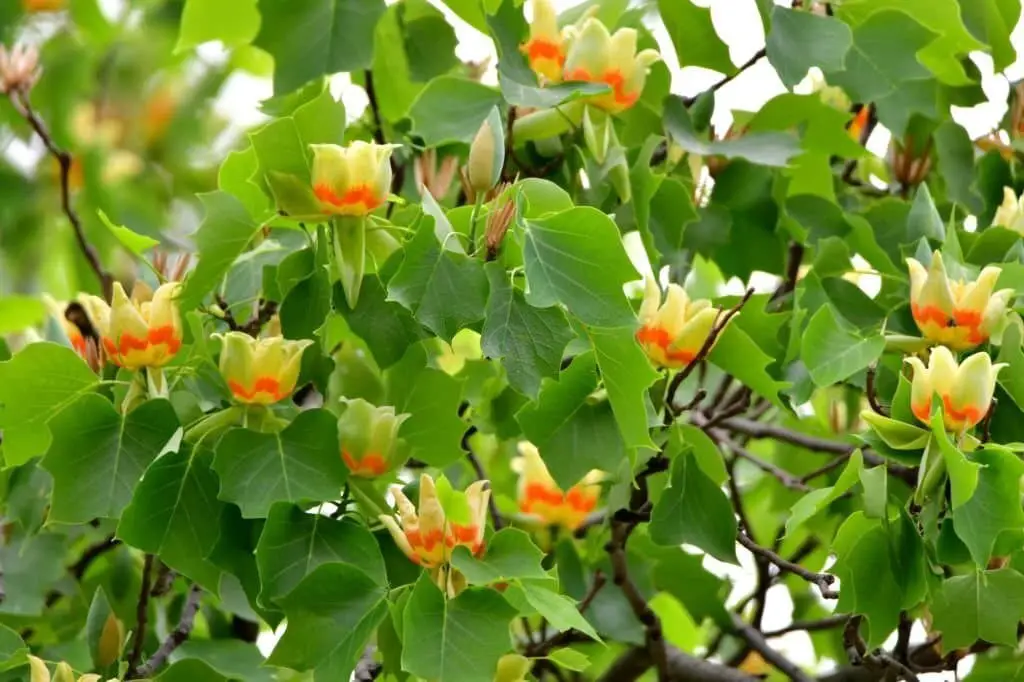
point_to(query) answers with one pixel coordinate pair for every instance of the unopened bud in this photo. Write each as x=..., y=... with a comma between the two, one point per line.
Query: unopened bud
x=19, y=68
x=487, y=154
x=597, y=133
x=498, y=222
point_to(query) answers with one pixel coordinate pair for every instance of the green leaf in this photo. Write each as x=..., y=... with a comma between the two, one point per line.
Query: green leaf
x=576, y=258
x=32, y=564
x=833, y=350
x=223, y=235
x=300, y=464
x=627, y=374
x=924, y=220
x=101, y=631
x=955, y=151
x=875, y=483
x=816, y=501
x=529, y=95
x=883, y=56
x=294, y=543
x=97, y=456
x=799, y=40
x=736, y=353
x=332, y=614
x=683, y=575
x=896, y=434
x=445, y=291
x=994, y=507
x=963, y=473
x=557, y=609
x=694, y=510
x=129, y=239
x=765, y=149
x=510, y=554
x=993, y=21
x=57, y=377
x=570, y=659
x=986, y=605
x=455, y=640
x=530, y=340
x=942, y=17
x=236, y=178
x=231, y=659
x=693, y=35
x=320, y=37
x=233, y=22
x=869, y=586
x=387, y=328
x=451, y=109
x=431, y=397
x=704, y=450
x=572, y=435
x=1012, y=378
x=13, y=650
x=20, y=312
x=174, y=513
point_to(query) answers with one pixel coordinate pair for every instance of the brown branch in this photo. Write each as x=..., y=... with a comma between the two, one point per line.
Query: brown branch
x=731, y=77
x=823, y=581
x=141, y=619
x=869, y=389
x=682, y=667
x=822, y=470
x=829, y=623
x=178, y=636
x=481, y=475
x=793, y=262
x=23, y=106
x=758, y=643
x=91, y=553
x=671, y=411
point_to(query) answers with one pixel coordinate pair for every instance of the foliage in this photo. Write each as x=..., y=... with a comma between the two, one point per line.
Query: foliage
x=487, y=380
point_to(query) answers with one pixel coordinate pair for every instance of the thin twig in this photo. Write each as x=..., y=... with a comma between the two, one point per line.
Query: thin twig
x=794, y=259
x=869, y=389
x=141, y=618
x=728, y=79
x=831, y=466
x=784, y=477
x=758, y=643
x=178, y=636
x=823, y=581
x=91, y=553
x=481, y=475
x=23, y=106
x=829, y=623
x=720, y=324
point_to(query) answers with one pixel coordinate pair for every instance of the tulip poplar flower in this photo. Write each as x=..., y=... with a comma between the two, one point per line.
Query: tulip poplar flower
x=545, y=50
x=955, y=313
x=1010, y=213
x=260, y=371
x=370, y=445
x=142, y=331
x=353, y=180
x=540, y=496
x=38, y=672
x=597, y=56
x=427, y=535
x=965, y=389
x=673, y=332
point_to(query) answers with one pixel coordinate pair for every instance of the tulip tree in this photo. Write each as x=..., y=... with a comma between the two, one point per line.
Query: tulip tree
x=524, y=371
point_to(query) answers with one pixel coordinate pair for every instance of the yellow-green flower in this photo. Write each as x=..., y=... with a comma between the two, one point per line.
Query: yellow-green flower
x=353, y=180
x=260, y=371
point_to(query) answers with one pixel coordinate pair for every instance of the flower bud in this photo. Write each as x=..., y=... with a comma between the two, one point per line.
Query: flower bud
x=260, y=371
x=19, y=68
x=672, y=333
x=595, y=56
x=965, y=389
x=428, y=534
x=540, y=497
x=956, y=313
x=487, y=154
x=1010, y=213
x=353, y=180
x=142, y=331
x=512, y=668
x=369, y=438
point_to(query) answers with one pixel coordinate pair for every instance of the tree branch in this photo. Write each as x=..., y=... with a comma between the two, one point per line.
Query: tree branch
x=728, y=79
x=829, y=623
x=758, y=643
x=141, y=619
x=822, y=580
x=682, y=667
x=91, y=553
x=178, y=636
x=23, y=106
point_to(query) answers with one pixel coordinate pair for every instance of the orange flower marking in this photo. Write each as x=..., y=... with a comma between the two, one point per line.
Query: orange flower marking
x=539, y=48
x=859, y=121
x=358, y=195
x=78, y=343
x=118, y=351
x=922, y=411
x=656, y=336
x=925, y=314
x=969, y=415
x=266, y=385
x=370, y=465
x=618, y=84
